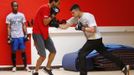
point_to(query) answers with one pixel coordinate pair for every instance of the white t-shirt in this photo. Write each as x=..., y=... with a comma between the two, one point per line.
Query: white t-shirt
x=87, y=20
x=16, y=22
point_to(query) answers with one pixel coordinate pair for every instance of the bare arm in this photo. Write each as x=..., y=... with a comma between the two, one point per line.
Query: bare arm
x=8, y=29
x=25, y=28
x=9, y=33
x=64, y=26
x=69, y=23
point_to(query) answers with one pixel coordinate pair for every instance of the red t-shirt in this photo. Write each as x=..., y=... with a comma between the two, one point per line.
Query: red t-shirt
x=39, y=27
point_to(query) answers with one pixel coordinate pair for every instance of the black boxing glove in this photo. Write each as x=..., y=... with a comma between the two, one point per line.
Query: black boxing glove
x=79, y=26
x=26, y=38
x=54, y=23
x=54, y=11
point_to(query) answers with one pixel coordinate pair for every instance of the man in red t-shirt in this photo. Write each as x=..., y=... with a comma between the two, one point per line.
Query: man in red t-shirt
x=41, y=36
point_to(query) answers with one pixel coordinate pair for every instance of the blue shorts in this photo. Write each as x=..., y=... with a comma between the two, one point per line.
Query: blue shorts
x=18, y=44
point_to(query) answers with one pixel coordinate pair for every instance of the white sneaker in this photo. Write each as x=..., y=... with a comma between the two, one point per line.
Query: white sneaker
x=14, y=69
x=27, y=69
x=126, y=69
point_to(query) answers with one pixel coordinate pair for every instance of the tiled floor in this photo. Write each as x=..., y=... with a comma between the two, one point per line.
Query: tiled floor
x=63, y=72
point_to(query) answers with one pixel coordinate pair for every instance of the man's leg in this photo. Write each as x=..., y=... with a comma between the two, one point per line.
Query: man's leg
x=22, y=48
x=14, y=45
x=50, y=46
x=86, y=49
x=40, y=46
x=24, y=58
x=102, y=50
x=39, y=62
x=23, y=54
x=14, y=59
x=50, y=60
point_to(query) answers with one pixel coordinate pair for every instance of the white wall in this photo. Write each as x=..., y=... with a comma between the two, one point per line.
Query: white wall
x=67, y=41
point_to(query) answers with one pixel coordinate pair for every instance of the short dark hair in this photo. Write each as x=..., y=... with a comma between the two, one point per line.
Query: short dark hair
x=13, y=2
x=75, y=6
x=50, y=1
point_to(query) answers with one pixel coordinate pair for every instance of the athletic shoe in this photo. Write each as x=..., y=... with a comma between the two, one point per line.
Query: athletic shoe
x=126, y=69
x=27, y=69
x=47, y=71
x=35, y=73
x=14, y=69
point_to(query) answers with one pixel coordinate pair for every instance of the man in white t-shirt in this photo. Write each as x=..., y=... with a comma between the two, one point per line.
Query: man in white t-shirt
x=86, y=22
x=17, y=34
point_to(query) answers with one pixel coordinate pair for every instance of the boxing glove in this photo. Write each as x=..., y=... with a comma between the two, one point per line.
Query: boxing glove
x=54, y=23
x=54, y=11
x=26, y=38
x=79, y=26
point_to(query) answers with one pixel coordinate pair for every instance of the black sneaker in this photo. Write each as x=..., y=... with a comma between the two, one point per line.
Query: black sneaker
x=83, y=73
x=35, y=73
x=126, y=69
x=47, y=71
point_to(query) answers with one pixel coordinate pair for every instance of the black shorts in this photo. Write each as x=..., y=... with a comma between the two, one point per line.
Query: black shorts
x=42, y=44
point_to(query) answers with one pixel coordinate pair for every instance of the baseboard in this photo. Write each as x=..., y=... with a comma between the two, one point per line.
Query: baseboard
x=22, y=68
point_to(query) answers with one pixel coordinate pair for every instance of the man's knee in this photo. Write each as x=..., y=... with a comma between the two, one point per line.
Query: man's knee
x=42, y=57
x=53, y=52
x=81, y=55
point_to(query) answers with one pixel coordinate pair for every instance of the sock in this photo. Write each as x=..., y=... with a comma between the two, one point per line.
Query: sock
x=35, y=71
x=14, y=59
x=24, y=59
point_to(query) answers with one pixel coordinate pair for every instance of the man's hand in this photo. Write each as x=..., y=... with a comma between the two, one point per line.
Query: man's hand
x=63, y=26
x=26, y=37
x=54, y=11
x=54, y=23
x=83, y=28
x=9, y=40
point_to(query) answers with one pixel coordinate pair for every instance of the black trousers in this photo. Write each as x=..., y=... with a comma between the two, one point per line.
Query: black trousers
x=97, y=45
